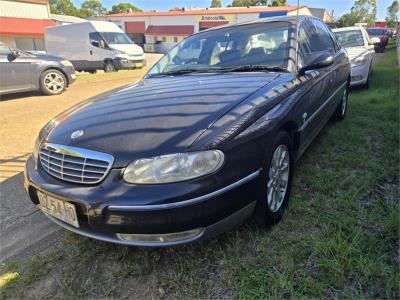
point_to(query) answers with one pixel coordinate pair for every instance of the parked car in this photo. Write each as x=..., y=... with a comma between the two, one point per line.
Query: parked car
x=201, y=143
x=21, y=71
x=360, y=49
x=382, y=35
x=94, y=45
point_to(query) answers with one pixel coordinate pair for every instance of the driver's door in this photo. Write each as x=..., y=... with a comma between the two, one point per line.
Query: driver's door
x=15, y=75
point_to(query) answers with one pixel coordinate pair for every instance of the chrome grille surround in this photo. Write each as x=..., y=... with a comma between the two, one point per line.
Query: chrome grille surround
x=75, y=164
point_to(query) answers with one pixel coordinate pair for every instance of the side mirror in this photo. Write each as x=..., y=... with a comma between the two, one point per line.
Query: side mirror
x=318, y=60
x=13, y=55
x=374, y=40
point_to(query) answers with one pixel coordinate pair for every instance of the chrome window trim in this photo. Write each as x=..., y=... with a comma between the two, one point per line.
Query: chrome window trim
x=79, y=153
x=185, y=202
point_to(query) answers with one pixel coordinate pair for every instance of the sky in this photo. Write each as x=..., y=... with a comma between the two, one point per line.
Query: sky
x=340, y=6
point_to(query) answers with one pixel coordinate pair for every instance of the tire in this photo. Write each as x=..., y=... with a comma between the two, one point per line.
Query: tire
x=109, y=67
x=341, y=110
x=269, y=212
x=92, y=71
x=52, y=82
x=367, y=84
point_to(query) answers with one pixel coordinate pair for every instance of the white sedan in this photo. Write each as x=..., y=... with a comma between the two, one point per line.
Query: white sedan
x=360, y=48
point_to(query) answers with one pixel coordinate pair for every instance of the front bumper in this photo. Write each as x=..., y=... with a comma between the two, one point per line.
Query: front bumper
x=127, y=63
x=359, y=74
x=111, y=211
x=70, y=72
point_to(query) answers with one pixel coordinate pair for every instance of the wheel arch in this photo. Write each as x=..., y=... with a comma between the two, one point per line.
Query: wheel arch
x=292, y=129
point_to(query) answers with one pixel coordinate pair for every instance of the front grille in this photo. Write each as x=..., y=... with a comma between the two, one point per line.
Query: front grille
x=75, y=164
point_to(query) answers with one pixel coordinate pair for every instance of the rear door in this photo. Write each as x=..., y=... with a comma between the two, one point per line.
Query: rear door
x=15, y=75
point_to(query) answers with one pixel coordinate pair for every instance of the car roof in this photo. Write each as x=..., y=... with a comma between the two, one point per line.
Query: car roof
x=347, y=28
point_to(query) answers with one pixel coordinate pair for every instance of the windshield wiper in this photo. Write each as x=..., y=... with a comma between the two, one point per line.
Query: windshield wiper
x=249, y=68
x=186, y=71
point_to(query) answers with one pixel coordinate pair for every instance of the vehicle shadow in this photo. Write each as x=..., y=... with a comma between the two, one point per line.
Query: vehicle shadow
x=20, y=95
x=22, y=226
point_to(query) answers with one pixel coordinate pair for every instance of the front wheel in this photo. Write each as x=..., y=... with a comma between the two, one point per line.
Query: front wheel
x=275, y=182
x=52, y=82
x=109, y=66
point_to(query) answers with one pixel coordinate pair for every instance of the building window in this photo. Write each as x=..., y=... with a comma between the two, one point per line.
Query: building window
x=175, y=39
x=164, y=38
x=29, y=44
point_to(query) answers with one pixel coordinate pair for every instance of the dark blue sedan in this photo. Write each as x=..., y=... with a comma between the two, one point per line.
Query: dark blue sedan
x=208, y=138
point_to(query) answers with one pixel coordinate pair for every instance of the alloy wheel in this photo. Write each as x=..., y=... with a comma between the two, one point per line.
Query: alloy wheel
x=54, y=82
x=278, y=178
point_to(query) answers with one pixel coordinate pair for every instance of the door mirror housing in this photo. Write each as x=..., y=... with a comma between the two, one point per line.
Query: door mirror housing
x=374, y=40
x=318, y=60
x=13, y=55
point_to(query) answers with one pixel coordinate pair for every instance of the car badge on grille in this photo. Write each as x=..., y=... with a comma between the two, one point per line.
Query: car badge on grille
x=76, y=134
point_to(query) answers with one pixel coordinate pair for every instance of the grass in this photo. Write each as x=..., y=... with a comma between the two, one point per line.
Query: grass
x=339, y=237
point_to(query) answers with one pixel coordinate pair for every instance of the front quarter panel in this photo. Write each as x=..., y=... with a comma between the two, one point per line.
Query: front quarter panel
x=245, y=132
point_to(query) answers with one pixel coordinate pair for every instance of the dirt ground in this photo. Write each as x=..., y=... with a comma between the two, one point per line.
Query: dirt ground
x=23, y=115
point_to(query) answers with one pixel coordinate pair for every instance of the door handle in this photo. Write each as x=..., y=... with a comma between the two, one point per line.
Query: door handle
x=91, y=52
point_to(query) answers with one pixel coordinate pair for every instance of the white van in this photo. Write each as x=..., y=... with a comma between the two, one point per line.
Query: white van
x=94, y=45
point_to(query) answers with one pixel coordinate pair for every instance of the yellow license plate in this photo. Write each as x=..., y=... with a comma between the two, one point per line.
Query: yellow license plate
x=59, y=209
x=138, y=65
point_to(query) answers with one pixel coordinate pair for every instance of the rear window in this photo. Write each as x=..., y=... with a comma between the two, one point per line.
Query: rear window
x=350, y=38
x=376, y=31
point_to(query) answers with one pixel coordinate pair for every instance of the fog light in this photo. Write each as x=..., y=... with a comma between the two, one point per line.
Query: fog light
x=356, y=78
x=162, y=238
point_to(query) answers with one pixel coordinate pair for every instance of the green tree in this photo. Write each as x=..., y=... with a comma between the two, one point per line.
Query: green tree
x=124, y=7
x=348, y=20
x=392, y=14
x=216, y=3
x=176, y=9
x=92, y=8
x=239, y=3
x=363, y=11
x=63, y=7
x=279, y=3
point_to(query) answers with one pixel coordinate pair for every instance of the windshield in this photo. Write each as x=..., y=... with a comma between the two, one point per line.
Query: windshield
x=376, y=31
x=350, y=38
x=261, y=44
x=116, y=38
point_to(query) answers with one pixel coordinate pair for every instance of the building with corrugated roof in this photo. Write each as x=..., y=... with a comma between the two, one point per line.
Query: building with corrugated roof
x=166, y=28
x=22, y=23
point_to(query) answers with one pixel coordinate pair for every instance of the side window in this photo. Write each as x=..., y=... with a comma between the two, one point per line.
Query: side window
x=324, y=35
x=4, y=50
x=308, y=39
x=313, y=37
x=96, y=40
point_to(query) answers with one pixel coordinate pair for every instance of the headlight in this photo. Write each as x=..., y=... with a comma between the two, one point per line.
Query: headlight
x=358, y=61
x=36, y=150
x=43, y=134
x=173, y=167
x=66, y=63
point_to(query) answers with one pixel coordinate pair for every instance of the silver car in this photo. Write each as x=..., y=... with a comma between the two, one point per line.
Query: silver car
x=22, y=71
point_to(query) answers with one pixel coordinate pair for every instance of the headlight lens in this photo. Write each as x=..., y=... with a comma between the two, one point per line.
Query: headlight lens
x=358, y=61
x=66, y=63
x=173, y=167
x=36, y=149
x=43, y=134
